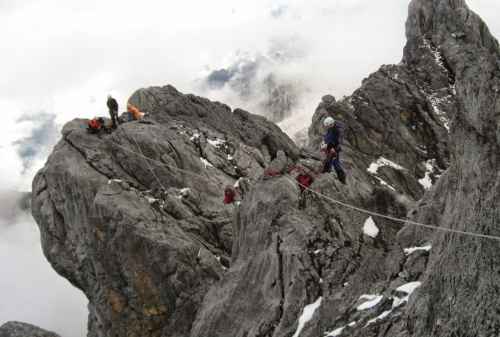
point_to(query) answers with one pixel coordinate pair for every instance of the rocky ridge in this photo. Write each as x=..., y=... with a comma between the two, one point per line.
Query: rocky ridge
x=135, y=218
x=18, y=329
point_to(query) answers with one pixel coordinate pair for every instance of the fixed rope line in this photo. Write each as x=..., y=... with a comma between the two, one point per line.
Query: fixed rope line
x=154, y=160
x=343, y=204
x=388, y=217
x=142, y=154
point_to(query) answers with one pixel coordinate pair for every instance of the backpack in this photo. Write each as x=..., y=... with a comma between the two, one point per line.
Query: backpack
x=95, y=125
x=229, y=195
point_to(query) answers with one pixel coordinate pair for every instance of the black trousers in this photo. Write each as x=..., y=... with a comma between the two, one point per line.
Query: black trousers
x=114, y=118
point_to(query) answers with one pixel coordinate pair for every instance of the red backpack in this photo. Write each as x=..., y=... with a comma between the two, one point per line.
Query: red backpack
x=94, y=125
x=229, y=195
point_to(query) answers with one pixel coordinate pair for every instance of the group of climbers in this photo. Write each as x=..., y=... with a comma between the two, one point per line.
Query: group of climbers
x=331, y=148
x=98, y=124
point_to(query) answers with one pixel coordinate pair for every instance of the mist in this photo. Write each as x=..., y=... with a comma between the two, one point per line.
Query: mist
x=61, y=60
x=30, y=289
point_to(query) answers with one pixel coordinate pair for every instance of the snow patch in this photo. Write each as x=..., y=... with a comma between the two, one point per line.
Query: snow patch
x=206, y=162
x=195, y=137
x=435, y=103
x=379, y=317
x=307, y=315
x=184, y=192
x=338, y=331
x=426, y=181
x=409, y=288
x=217, y=142
x=370, y=228
x=373, y=168
x=114, y=181
x=412, y=250
x=373, y=300
x=385, y=183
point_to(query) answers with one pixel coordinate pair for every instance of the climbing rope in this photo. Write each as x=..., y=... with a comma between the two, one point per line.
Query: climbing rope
x=141, y=154
x=338, y=202
x=388, y=217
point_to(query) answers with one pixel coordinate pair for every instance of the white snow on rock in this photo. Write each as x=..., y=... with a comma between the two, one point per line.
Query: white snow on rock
x=412, y=250
x=370, y=228
x=307, y=315
x=379, y=317
x=195, y=137
x=151, y=200
x=206, y=162
x=426, y=181
x=237, y=183
x=435, y=103
x=409, y=288
x=114, y=181
x=185, y=191
x=217, y=142
x=373, y=300
x=373, y=168
x=385, y=183
x=338, y=331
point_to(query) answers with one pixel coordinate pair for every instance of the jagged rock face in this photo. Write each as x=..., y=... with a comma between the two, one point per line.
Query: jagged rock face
x=464, y=274
x=135, y=218
x=158, y=255
x=18, y=329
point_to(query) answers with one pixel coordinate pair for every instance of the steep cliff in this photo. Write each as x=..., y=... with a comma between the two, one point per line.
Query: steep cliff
x=135, y=218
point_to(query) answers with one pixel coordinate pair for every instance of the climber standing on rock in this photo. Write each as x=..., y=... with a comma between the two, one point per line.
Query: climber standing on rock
x=113, y=111
x=332, y=147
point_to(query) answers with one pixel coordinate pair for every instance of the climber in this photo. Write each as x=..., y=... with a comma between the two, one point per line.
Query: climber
x=136, y=113
x=113, y=111
x=332, y=147
x=95, y=125
x=229, y=195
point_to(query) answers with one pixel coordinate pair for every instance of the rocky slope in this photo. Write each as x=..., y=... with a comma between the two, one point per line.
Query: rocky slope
x=135, y=218
x=18, y=329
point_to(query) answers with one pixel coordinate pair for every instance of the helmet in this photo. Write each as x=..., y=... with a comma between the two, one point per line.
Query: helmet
x=329, y=121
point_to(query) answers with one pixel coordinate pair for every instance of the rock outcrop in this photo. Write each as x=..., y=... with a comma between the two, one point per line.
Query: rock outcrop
x=135, y=218
x=18, y=329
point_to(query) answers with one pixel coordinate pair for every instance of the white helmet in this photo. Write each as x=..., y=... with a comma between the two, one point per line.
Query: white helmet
x=329, y=121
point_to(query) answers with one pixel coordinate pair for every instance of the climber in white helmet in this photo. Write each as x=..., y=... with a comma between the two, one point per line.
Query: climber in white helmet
x=332, y=147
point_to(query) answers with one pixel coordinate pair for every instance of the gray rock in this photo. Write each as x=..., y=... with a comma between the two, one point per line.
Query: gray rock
x=135, y=218
x=19, y=329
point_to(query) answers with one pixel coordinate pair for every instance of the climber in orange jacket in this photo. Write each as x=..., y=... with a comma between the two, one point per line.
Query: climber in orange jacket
x=136, y=113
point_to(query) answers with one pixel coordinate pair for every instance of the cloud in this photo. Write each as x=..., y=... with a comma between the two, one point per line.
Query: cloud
x=64, y=57
x=30, y=290
x=279, y=10
x=42, y=137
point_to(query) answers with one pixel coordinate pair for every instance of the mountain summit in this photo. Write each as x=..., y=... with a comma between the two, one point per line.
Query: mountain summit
x=136, y=219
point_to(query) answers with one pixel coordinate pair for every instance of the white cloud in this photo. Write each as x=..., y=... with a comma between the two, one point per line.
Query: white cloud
x=30, y=290
x=64, y=57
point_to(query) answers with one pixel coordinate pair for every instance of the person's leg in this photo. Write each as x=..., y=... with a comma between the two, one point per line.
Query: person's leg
x=338, y=168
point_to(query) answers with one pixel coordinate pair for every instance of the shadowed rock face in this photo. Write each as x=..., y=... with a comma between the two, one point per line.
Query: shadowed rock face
x=135, y=218
x=18, y=329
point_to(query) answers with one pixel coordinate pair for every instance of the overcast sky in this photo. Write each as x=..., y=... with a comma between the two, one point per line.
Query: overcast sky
x=61, y=58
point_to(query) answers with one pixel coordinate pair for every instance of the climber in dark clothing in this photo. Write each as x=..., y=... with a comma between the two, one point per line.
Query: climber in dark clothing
x=333, y=141
x=113, y=111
